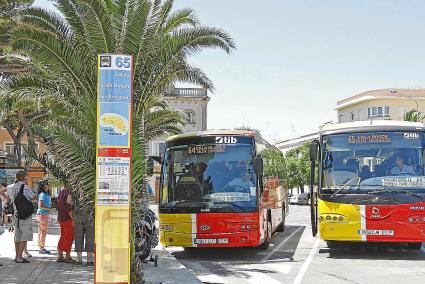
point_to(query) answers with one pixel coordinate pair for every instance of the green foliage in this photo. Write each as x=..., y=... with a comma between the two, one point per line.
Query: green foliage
x=414, y=116
x=62, y=53
x=294, y=166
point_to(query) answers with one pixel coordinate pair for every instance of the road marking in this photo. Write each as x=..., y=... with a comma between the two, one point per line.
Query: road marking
x=267, y=256
x=307, y=262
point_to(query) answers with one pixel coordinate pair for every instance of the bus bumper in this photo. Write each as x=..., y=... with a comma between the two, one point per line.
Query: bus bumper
x=210, y=230
x=237, y=239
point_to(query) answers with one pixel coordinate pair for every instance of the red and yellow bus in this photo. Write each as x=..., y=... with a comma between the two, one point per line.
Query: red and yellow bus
x=371, y=183
x=213, y=193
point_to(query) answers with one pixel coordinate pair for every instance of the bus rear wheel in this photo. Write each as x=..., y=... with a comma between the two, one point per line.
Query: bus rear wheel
x=266, y=243
x=414, y=245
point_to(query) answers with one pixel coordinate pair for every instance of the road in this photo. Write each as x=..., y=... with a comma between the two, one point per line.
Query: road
x=296, y=257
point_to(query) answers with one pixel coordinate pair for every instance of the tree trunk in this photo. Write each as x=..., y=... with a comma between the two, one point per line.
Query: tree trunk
x=301, y=187
x=17, y=141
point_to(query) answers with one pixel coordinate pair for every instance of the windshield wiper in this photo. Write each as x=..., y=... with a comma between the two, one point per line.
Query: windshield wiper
x=345, y=184
x=403, y=191
x=175, y=202
x=225, y=202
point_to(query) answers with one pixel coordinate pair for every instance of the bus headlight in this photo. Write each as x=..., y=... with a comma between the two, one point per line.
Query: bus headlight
x=333, y=218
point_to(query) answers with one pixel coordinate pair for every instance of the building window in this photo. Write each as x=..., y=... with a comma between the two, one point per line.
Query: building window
x=352, y=116
x=381, y=111
x=190, y=116
x=10, y=147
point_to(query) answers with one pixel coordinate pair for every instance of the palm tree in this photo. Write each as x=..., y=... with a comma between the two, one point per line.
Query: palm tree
x=414, y=116
x=63, y=52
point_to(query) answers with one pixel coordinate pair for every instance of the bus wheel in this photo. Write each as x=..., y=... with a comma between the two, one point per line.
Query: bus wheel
x=266, y=243
x=281, y=227
x=331, y=244
x=414, y=245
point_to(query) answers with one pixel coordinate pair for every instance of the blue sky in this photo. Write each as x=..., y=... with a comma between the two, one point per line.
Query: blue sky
x=295, y=59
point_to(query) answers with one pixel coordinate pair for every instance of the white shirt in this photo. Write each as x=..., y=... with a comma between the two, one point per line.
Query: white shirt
x=13, y=190
x=406, y=169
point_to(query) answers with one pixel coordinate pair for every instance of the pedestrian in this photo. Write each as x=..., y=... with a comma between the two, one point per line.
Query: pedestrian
x=84, y=237
x=65, y=219
x=22, y=197
x=44, y=205
x=3, y=195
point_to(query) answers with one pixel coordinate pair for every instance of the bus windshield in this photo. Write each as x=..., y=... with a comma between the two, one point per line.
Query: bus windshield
x=210, y=176
x=372, y=161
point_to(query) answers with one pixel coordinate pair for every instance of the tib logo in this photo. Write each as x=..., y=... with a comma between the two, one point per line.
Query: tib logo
x=225, y=140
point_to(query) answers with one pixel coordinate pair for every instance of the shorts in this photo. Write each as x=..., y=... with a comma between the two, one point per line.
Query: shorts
x=23, y=229
x=84, y=233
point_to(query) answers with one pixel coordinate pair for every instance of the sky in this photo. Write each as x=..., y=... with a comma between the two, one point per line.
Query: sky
x=295, y=59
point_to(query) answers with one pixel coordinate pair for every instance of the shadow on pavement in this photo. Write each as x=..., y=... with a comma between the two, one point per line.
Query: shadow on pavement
x=378, y=251
x=241, y=262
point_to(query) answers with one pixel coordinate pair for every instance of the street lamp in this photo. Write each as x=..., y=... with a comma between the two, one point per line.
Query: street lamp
x=417, y=106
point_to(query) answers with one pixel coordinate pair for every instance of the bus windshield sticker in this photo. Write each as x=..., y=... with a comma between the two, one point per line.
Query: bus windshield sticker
x=404, y=181
x=230, y=196
x=253, y=190
x=411, y=135
x=206, y=149
x=381, y=138
x=225, y=140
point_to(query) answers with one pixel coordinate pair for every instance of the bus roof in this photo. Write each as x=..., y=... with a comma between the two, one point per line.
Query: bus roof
x=372, y=125
x=212, y=132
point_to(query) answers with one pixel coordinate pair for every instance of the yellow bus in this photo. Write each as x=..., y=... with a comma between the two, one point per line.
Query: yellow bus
x=370, y=183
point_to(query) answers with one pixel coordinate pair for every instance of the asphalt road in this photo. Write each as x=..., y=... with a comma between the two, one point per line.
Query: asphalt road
x=296, y=257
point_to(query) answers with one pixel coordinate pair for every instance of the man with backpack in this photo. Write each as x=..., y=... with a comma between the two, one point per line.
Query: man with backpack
x=22, y=197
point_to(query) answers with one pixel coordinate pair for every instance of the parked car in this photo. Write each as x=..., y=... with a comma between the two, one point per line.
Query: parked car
x=303, y=198
x=293, y=199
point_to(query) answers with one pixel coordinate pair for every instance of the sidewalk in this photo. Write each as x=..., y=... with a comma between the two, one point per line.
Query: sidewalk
x=43, y=268
x=169, y=270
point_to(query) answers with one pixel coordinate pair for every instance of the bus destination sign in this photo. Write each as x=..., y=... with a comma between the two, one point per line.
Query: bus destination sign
x=373, y=138
x=206, y=149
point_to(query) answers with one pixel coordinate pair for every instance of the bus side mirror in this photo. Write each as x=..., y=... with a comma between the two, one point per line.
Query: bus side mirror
x=157, y=159
x=258, y=166
x=313, y=151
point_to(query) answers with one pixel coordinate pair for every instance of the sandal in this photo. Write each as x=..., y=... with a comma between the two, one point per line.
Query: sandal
x=24, y=260
x=70, y=260
x=60, y=260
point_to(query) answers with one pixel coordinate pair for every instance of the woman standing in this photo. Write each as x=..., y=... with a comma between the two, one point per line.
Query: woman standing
x=44, y=205
x=65, y=219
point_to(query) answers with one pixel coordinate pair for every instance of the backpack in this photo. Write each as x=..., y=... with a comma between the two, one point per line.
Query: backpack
x=24, y=207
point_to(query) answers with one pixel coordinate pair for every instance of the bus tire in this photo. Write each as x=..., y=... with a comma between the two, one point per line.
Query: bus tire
x=281, y=227
x=414, y=245
x=266, y=243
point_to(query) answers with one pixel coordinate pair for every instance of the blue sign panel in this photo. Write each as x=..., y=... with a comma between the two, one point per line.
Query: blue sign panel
x=114, y=100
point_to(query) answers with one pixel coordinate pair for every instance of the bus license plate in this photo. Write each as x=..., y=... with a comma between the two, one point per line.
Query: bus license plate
x=377, y=232
x=211, y=241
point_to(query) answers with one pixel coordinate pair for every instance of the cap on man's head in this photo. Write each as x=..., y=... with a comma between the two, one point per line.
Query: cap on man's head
x=20, y=175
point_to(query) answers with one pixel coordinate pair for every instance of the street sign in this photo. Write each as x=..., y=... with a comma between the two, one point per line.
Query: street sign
x=113, y=168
